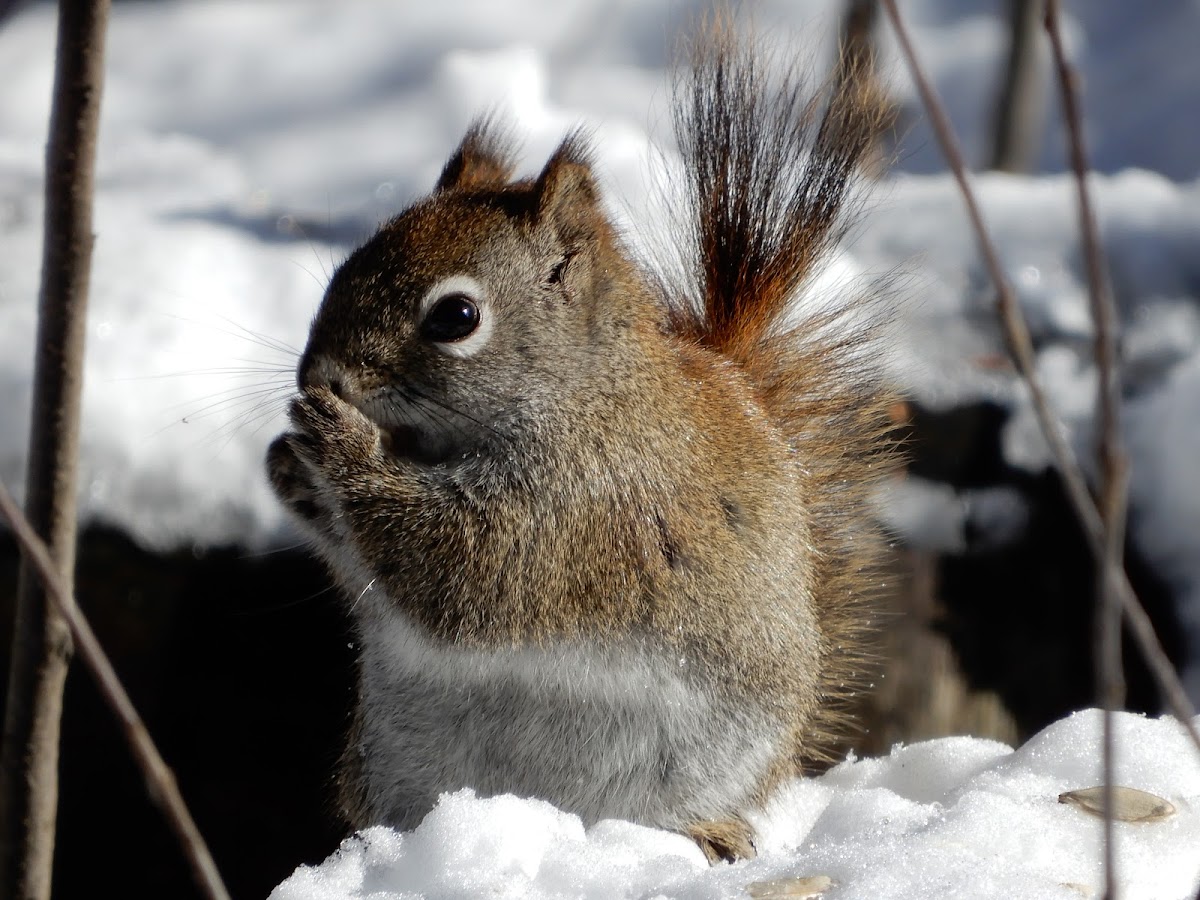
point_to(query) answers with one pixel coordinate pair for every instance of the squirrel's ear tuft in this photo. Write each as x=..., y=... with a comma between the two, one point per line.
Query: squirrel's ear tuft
x=484, y=159
x=567, y=197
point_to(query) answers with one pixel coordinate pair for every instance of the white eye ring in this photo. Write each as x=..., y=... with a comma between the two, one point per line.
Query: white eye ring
x=472, y=343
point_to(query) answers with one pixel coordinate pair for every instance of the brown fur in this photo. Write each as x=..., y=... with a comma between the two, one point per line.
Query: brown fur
x=656, y=464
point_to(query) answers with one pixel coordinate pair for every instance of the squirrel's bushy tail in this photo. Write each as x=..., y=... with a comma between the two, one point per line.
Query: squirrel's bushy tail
x=768, y=169
x=769, y=172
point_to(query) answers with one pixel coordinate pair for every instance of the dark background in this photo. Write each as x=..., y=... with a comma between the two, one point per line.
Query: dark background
x=242, y=667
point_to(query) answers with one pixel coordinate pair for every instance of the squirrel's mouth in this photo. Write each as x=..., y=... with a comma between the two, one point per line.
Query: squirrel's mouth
x=397, y=440
x=411, y=444
x=403, y=441
x=417, y=431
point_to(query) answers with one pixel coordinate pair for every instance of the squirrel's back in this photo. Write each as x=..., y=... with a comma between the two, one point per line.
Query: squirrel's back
x=769, y=172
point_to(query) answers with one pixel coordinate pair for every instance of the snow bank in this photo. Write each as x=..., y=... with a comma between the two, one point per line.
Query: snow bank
x=955, y=817
x=246, y=146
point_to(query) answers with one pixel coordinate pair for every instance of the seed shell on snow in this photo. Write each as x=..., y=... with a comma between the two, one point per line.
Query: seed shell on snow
x=790, y=888
x=1129, y=804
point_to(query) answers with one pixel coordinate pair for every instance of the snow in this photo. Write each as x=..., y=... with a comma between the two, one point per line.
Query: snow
x=246, y=146
x=955, y=817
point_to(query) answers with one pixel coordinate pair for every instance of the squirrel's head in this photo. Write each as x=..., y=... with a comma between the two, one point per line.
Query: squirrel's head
x=470, y=315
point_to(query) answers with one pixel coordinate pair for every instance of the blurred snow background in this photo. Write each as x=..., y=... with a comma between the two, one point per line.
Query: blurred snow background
x=246, y=146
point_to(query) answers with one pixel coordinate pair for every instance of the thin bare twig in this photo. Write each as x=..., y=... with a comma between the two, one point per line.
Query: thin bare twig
x=1113, y=462
x=1113, y=468
x=1021, y=347
x=160, y=781
x=41, y=642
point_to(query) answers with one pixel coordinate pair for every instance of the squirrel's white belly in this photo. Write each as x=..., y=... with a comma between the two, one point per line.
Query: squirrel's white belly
x=612, y=732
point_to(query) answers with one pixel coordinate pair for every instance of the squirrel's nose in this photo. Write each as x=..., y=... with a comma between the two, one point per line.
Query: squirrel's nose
x=318, y=370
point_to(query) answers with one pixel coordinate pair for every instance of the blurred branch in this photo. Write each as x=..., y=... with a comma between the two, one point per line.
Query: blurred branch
x=1113, y=465
x=9, y=8
x=857, y=41
x=1021, y=347
x=1019, y=107
x=857, y=61
x=160, y=781
x=41, y=649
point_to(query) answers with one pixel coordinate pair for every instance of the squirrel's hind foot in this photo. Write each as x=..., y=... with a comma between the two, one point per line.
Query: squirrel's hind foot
x=724, y=840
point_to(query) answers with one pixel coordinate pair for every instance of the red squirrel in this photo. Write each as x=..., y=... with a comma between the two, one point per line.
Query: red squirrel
x=604, y=534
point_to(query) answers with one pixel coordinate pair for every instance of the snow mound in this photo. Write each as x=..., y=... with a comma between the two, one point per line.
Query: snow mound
x=955, y=817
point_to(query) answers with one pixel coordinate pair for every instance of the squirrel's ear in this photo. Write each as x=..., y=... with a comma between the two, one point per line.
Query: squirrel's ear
x=567, y=197
x=484, y=159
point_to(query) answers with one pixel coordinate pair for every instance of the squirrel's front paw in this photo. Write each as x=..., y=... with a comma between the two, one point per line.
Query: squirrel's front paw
x=292, y=480
x=311, y=466
x=332, y=435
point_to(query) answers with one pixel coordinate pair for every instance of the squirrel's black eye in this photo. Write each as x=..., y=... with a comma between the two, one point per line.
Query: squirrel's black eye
x=451, y=318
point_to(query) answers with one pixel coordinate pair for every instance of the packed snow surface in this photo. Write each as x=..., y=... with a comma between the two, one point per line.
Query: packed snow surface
x=955, y=817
